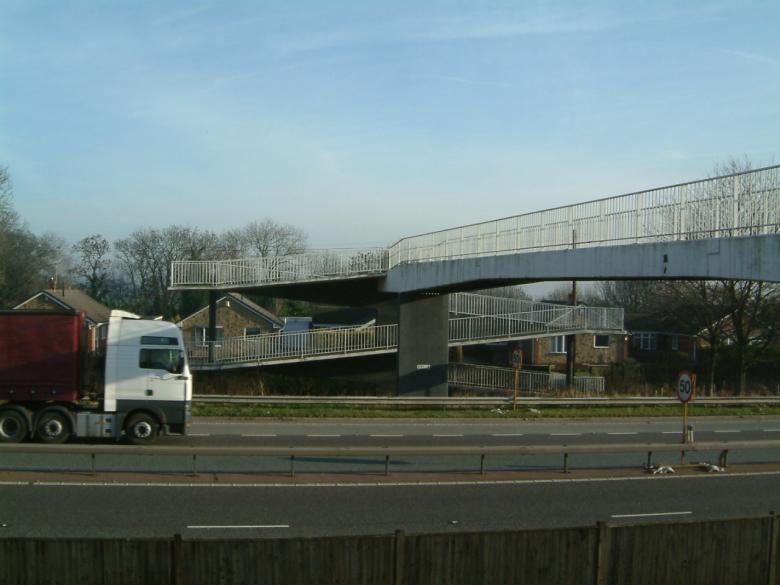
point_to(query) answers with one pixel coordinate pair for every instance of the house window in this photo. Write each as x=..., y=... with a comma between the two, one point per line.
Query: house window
x=675, y=342
x=249, y=331
x=200, y=334
x=558, y=344
x=601, y=341
x=645, y=341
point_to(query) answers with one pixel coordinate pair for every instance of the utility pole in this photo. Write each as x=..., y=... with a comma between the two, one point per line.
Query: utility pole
x=571, y=340
x=571, y=344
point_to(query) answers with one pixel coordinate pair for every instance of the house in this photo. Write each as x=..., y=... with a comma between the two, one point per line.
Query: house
x=346, y=317
x=237, y=316
x=594, y=351
x=656, y=337
x=72, y=299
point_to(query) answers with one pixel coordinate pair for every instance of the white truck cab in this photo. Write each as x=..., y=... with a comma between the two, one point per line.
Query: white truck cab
x=147, y=384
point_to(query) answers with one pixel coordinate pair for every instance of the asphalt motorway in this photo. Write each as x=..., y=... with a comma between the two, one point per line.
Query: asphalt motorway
x=417, y=433
x=273, y=511
x=426, y=432
x=146, y=495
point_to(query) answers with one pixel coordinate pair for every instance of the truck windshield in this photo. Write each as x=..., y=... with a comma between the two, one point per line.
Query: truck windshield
x=169, y=360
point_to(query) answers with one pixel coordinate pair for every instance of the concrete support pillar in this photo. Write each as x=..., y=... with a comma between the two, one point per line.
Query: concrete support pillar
x=423, y=333
x=211, y=334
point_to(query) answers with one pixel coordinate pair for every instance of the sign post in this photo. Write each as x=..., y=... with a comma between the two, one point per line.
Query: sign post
x=686, y=388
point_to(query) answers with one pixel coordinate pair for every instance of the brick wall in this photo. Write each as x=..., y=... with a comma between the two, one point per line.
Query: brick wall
x=587, y=354
x=233, y=319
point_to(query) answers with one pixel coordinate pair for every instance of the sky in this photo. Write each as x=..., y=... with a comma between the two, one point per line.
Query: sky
x=364, y=122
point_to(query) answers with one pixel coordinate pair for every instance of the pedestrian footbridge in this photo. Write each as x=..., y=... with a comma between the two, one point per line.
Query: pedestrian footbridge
x=723, y=227
x=474, y=319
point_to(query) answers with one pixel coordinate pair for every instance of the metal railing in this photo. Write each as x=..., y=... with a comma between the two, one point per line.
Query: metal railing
x=502, y=380
x=484, y=400
x=329, y=453
x=547, y=319
x=300, y=345
x=733, y=205
x=481, y=304
x=550, y=319
x=310, y=266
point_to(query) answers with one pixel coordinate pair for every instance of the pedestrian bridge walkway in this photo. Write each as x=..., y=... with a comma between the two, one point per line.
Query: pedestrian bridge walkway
x=475, y=319
x=741, y=205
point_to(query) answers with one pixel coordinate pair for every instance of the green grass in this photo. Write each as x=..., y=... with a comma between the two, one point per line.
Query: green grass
x=338, y=411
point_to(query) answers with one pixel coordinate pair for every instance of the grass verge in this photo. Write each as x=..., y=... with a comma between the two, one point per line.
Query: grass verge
x=340, y=411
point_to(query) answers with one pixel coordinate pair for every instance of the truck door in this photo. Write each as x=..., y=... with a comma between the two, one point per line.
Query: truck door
x=166, y=377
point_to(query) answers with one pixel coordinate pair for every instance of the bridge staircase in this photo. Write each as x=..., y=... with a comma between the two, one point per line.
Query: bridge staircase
x=475, y=319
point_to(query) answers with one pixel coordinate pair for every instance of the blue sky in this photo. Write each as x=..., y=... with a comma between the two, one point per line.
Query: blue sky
x=362, y=122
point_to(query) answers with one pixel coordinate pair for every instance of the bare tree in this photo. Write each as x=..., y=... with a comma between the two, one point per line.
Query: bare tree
x=699, y=306
x=753, y=322
x=264, y=239
x=743, y=316
x=26, y=260
x=93, y=264
x=145, y=259
x=635, y=296
x=8, y=219
x=507, y=292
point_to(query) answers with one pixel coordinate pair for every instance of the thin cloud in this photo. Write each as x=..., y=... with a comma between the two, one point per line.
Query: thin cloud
x=439, y=30
x=177, y=16
x=753, y=57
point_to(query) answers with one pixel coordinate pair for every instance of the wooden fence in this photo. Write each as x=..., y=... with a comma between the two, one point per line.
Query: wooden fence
x=721, y=552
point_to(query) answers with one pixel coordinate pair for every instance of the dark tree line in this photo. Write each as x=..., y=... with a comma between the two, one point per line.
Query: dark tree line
x=132, y=273
x=26, y=260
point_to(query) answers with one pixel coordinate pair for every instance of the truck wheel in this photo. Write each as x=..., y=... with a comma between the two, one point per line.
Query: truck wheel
x=13, y=427
x=142, y=429
x=53, y=427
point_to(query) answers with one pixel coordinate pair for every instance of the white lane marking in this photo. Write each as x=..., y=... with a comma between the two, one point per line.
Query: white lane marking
x=198, y=435
x=565, y=434
x=385, y=435
x=82, y=484
x=727, y=431
x=772, y=430
x=627, y=433
x=238, y=527
x=323, y=435
x=258, y=435
x=649, y=514
x=447, y=435
x=671, y=432
x=507, y=434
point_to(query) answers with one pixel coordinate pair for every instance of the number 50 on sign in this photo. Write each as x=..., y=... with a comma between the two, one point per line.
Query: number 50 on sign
x=686, y=383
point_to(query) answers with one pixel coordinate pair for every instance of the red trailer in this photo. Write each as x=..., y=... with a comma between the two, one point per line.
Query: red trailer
x=42, y=356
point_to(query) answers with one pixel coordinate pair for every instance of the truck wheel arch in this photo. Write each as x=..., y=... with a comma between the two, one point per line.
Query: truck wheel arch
x=67, y=415
x=24, y=413
x=143, y=413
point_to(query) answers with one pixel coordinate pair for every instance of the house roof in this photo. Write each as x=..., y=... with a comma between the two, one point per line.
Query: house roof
x=657, y=323
x=73, y=298
x=345, y=317
x=248, y=304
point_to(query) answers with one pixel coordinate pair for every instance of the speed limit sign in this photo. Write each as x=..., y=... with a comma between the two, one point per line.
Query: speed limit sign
x=685, y=386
